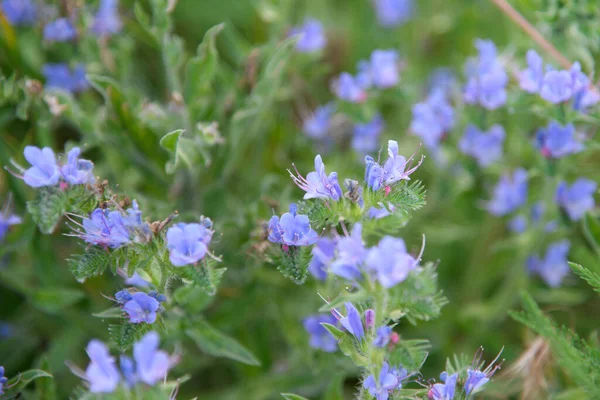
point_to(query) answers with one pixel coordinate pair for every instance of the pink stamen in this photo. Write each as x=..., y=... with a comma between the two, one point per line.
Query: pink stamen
x=388, y=189
x=394, y=338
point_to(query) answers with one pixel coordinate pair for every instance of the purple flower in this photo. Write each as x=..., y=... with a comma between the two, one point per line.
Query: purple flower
x=318, y=124
x=322, y=254
x=396, y=168
x=105, y=228
x=7, y=219
x=367, y=135
x=44, y=170
x=311, y=37
x=485, y=147
x=390, y=262
x=128, y=370
x=518, y=224
x=349, y=89
x=3, y=380
x=579, y=80
x=60, y=30
x=187, y=243
x=557, y=141
x=141, y=308
x=317, y=184
x=350, y=254
x=107, y=21
x=392, y=13
x=383, y=336
x=152, y=364
x=444, y=391
x=557, y=86
x=19, y=12
x=352, y=322
x=509, y=194
x=486, y=78
x=381, y=387
x=292, y=229
x=102, y=374
x=554, y=266
x=76, y=171
x=384, y=68
x=320, y=338
x=532, y=78
x=441, y=80
x=60, y=76
x=370, y=319
x=136, y=280
x=432, y=119
x=576, y=199
x=475, y=380
x=378, y=213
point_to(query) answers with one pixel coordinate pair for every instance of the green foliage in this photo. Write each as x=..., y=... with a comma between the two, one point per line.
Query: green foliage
x=590, y=277
x=293, y=263
x=125, y=334
x=93, y=261
x=405, y=196
x=291, y=396
x=411, y=354
x=17, y=383
x=48, y=208
x=205, y=276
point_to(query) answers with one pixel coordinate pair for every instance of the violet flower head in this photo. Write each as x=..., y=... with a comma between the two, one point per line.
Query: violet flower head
x=557, y=141
x=475, y=380
x=390, y=262
x=7, y=219
x=352, y=321
x=384, y=69
x=445, y=390
x=532, y=78
x=381, y=387
x=391, y=13
x=60, y=76
x=123, y=296
x=586, y=98
x=317, y=184
x=350, y=254
x=348, y=88
x=3, y=380
x=141, y=308
x=318, y=124
x=320, y=338
x=396, y=168
x=557, y=86
x=19, y=12
x=292, y=229
x=187, y=243
x=509, y=194
x=152, y=364
x=105, y=228
x=136, y=280
x=382, y=337
x=487, y=79
x=322, y=255
x=367, y=135
x=485, y=147
x=44, y=170
x=102, y=374
x=128, y=370
x=60, y=30
x=381, y=212
x=77, y=171
x=576, y=199
x=311, y=36
x=107, y=21
x=432, y=119
x=579, y=80
x=554, y=266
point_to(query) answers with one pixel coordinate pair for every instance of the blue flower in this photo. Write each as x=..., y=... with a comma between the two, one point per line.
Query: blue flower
x=367, y=135
x=60, y=76
x=384, y=68
x=128, y=370
x=105, y=228
x=3, y=380
x=475, y=380
x=44, y=170
x=432, y=119
x=586, y=98
x=152, y=364
x=554, y=266
x=352, y=322
x=292, y=229
x=350, y=254
x=60, y=30
x=441, y=80
x=380, y=388
x=518, y=224
x=19, y=12
x=383, y=336
x=579, y=80
x=557, y=86
x=107, y=21
x=320, y=338
x=390, y=262
x=102, y=374
x=187, y=243
x=382, y=212
x=317, y=184
x=557, y=141
x=532, y=78
x=136, y=280
x=318, y=124
x=311, y=36
x=485, y=147
x=141, y=308
x=123, y=296
x=487, y=79
x=133, y=221
x=7, y=220
x=444, y=391
x=396, y=168
x=576, y=199
x=349, y=89
x=322, y=254
x=509, y=194
x=76, y=171
x=392, y=13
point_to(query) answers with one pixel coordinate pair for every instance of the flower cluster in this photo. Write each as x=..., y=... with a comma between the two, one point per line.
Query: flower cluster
x=311, y=37
x=486, y=78
x=292, y=229
x=392, y=13
x=317, y=184
x=188, y=243
x=395, y=169
x=433, y=118
x=139, y=306
x=485, y=147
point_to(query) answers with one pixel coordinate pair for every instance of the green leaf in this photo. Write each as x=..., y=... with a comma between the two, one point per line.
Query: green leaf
x=202, y=68
x=216, y=343
x=126, y=334
x=192, y=298
x=354, y=297
x=45, y=389
x=17, y=383
x=411, y=354
x=590, y=277
x=170, y=140
x=293, y=263
x=291, y=396
x=113, y=312
x=180, y=149
x=335, y=332
x=206, y=275
x=92, y=262
x=48, y=208
x=56, y=300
